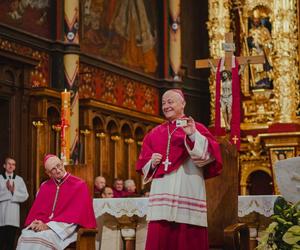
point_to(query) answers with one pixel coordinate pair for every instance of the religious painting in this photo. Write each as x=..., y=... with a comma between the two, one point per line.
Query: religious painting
x=277, y=154
x=29, y=15
x=123, y=32
x=258, y=41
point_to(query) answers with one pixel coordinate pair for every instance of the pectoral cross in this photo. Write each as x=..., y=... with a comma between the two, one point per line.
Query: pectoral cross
x=166, y=163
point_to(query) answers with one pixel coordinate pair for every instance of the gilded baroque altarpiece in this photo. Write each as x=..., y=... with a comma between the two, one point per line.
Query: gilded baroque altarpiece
x=270, y=91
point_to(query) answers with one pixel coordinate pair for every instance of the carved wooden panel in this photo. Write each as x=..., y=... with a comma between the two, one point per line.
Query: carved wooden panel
x=222, y=196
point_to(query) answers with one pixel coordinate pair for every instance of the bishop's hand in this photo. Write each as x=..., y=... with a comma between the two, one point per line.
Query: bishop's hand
x=155, y=159
x=190, y=128
x=38, y=226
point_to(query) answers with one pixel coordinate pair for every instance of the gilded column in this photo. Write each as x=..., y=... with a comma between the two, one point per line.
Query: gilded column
x=101, y=137
x=37, y=125
x=130, y=157
x=71, y=67
x=218, y=25
x=57, y=129
x=116, y=139
x=175, y=39
x=85, y=143
x=285, y=39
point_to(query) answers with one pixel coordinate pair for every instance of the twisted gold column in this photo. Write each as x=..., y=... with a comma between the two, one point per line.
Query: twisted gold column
x=218, y=25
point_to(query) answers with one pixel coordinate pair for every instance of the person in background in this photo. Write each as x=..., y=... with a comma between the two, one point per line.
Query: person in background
x=62, y=204
x=177, y=155
x=13, y=191
x=145, y=192
x=130, y=188
x=107, y=193
x=99, y=185
x=118, y=188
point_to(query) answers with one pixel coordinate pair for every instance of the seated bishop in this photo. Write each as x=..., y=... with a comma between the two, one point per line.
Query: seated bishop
x=62, y=205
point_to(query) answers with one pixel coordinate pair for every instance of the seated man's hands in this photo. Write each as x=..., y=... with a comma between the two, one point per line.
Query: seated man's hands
x=38, y=226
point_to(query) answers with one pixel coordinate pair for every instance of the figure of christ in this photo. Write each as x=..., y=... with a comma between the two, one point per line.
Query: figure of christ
x=226, y=97
x=226, y=93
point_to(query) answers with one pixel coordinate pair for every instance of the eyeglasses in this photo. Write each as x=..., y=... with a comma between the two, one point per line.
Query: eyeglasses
x=58, y=166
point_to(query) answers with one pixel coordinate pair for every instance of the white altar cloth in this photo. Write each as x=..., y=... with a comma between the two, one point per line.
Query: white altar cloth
x=118, y=207
x=108, y=210
x=110, y=238
x=262, y=204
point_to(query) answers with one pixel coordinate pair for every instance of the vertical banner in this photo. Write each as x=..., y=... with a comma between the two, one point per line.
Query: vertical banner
x=71, y=21
x=71, y=65
x=71, y=69
x=175, y=39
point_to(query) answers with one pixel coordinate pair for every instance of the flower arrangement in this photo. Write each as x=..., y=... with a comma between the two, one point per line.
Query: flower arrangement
x=284, y=232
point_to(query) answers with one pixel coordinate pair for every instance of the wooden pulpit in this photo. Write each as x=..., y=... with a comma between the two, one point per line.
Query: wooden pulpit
x=222, y=196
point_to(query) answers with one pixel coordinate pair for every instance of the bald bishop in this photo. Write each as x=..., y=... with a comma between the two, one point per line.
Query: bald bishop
x=177, y=156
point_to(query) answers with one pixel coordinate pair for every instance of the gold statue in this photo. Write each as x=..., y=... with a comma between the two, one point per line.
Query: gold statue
x=260, y=43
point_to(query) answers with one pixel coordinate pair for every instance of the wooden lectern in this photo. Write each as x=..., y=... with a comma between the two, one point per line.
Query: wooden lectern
x=222, y=204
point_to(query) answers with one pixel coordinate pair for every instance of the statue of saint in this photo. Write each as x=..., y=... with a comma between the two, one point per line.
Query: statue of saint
x=260, y=43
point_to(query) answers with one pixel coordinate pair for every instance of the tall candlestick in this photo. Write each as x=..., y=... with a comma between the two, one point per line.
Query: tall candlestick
x=65, y=124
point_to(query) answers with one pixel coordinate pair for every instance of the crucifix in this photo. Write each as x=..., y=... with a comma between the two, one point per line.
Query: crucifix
x=227, y=86
x=229, y=48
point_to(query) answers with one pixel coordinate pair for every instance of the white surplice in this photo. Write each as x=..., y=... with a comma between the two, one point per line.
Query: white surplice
x=58, y=237
x=10, y=203
x=180, y=196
